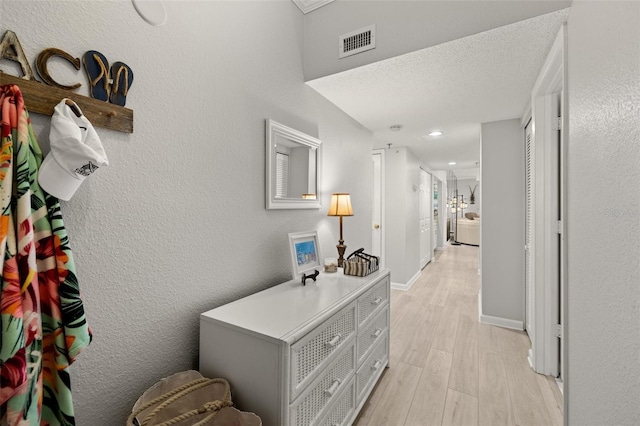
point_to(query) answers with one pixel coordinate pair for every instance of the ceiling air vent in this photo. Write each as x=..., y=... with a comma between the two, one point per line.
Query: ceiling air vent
x=357, y=41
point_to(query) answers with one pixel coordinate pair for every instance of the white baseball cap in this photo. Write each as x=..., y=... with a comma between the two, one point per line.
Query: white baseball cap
x=76, y=152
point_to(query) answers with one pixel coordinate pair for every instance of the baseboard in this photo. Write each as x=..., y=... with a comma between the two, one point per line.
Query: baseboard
x=530, y=358
x=502, y=322
x=407, y=286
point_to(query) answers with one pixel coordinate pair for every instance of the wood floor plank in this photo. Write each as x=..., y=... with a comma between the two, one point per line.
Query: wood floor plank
x=557, y=393
x=416, y=347
x=445, y=332
x=427, y=407
x=399, y=301
x=547, y=387
x=460, y=409
x=488, y=337
x=394, y=402
x=528, y=404
x=494, y=400
x=434, y=290
x=513, y=342
x=410, y=334
x=464, y=368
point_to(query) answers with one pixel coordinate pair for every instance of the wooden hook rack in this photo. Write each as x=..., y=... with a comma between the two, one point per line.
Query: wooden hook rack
x=42, y=98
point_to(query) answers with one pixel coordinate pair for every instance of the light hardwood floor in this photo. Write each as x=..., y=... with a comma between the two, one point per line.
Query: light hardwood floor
x=448, y=369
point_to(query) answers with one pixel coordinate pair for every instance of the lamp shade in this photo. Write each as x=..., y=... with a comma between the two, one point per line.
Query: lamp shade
x=340, y=205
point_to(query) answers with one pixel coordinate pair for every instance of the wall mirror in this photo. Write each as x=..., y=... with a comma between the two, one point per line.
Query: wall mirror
x=293, y=168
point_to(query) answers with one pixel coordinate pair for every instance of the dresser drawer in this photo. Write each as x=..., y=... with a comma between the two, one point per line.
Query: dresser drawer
x=374, y=331
x=311, y=353
x=343, y=409
x=371, y=367
x=372, y=300
x=307, y=409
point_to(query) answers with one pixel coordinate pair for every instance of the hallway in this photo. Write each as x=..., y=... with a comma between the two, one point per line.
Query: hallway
x=448, y=369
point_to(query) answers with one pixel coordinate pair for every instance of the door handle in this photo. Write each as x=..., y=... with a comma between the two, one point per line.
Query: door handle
x=376, y=226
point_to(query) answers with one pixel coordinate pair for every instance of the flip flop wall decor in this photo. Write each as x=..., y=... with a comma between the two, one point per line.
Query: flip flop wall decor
x=122, y=78
x=96, y=65
x=107, y=84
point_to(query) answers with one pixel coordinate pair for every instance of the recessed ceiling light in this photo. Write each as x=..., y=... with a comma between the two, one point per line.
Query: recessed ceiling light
x=435, y=133
x=453, y=163
x=396, y=127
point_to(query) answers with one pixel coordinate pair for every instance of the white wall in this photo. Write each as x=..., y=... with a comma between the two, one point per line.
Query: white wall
x=502, y=220
x=404, y=26
x=176, y=225
x=463, y=189
x=603, y=335
x=401, y=214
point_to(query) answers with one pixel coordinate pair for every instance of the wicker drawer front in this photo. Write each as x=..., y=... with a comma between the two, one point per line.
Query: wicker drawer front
x=373, y=332
x=324, y=391
x=372, y=365
x=340, y=413
x=373, y=299
x=310, y=354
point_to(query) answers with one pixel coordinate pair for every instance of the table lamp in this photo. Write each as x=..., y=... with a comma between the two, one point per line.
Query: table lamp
x=340, y=206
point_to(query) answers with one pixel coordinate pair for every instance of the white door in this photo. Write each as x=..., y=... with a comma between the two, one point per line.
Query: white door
x=377, y=232
x=425, y=218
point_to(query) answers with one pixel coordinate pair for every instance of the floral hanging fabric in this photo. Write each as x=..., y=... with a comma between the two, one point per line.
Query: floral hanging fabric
x=43, y=326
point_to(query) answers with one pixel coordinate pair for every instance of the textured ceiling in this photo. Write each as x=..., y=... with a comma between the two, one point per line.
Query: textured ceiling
x=452, y=87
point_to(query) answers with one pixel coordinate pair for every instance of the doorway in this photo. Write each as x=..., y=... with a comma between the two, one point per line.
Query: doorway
x=377, y=216
x=426, y=235
x=544, y=250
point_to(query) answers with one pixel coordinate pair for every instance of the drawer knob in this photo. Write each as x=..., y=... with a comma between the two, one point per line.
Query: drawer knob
x=332, y=389
x=377, y=300
x=334, y=341
x=377, y=332
x=376, y=364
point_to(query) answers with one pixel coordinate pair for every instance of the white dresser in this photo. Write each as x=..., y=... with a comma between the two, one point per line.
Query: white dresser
x=301, y=355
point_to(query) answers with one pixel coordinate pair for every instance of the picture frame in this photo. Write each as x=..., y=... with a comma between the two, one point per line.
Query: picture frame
x=305, y=252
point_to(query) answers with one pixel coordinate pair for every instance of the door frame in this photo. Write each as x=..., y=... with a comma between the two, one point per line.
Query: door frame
x=544, y=300
x=383, y=243
x=425, y=201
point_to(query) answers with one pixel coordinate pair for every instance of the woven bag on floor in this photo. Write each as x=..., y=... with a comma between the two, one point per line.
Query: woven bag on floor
x=189, y=399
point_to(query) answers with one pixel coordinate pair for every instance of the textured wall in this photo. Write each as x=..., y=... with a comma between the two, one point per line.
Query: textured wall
x=405, y=26
x=603, y=341
x=401, y=220
x=502, y=175
x=176, y=224
x=396, y=237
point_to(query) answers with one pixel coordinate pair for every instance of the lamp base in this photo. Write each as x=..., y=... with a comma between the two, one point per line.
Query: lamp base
x=341, y=248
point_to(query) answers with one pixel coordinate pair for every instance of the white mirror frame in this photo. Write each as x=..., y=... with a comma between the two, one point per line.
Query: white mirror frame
x=276, y=129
